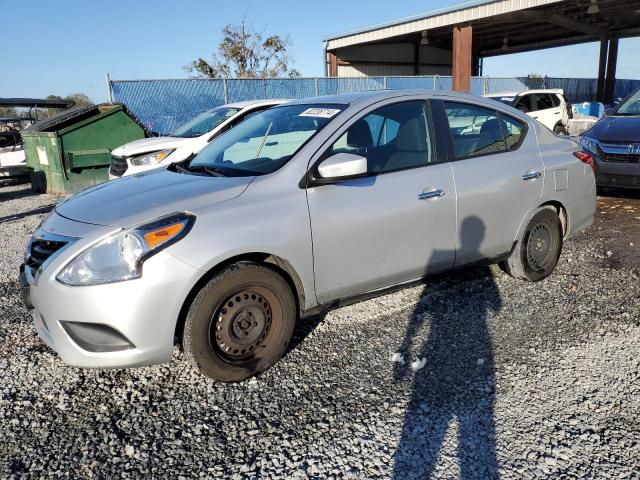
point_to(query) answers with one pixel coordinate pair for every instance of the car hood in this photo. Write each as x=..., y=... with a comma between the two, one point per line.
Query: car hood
x=146, y=145
x=617, y=129
x=138, y=198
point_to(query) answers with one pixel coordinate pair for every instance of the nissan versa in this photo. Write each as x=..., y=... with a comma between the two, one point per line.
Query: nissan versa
x=300, y=208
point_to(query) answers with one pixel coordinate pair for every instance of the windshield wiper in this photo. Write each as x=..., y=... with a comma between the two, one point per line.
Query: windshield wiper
x=180, y=168
x=213, y=171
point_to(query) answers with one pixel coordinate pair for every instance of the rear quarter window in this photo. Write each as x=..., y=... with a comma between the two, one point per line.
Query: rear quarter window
x=514, y=131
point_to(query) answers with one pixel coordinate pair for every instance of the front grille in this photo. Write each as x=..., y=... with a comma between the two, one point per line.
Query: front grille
x=40, y=250
x=624, y=180
x=118, y=166
x=621, y=158
x=619, y=152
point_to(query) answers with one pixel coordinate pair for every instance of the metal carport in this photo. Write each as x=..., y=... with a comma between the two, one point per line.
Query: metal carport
x=454, y=40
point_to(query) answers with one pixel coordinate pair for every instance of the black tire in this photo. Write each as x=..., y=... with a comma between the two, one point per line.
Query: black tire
x=560, y=129
x=536, y=254
x=240, y=322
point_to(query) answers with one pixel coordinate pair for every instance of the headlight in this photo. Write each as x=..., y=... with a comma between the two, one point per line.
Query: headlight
x=589, y=144
x=121, y=255
x=151, y=158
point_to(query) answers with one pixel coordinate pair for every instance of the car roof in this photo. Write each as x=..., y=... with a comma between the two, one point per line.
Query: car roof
x=375, y=95
x=257, y=102
x=521, y=92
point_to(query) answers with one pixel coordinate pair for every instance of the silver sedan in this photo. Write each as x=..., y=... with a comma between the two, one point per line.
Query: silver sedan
x=297, y=209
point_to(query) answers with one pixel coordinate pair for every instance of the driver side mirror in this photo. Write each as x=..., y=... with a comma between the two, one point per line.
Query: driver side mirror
x=342, y=166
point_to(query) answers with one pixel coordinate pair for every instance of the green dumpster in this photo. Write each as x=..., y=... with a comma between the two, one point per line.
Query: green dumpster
x=71, y=151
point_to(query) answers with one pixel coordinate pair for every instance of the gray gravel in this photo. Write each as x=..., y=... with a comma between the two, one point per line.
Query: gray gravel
x=521, y=381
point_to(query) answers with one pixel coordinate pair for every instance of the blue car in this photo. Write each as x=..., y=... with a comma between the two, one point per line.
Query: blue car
x=614, y=143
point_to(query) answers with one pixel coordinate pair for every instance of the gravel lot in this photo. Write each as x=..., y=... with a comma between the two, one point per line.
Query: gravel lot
x=520, y=381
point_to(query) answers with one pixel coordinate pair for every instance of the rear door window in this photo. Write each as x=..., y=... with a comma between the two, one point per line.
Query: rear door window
x=543, y=101
x=474, y=130
x=524, y=104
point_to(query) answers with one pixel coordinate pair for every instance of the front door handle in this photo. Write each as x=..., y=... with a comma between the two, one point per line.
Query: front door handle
x=530, y=175
x=438, y=192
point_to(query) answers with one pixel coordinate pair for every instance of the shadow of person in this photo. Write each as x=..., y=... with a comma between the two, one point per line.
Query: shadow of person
x=455, y=389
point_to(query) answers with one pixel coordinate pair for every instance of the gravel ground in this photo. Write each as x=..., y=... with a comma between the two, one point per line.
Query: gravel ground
x=520, y=381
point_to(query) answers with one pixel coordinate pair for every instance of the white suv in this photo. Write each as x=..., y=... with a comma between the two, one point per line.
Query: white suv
x=188, y=139
x=549, y=107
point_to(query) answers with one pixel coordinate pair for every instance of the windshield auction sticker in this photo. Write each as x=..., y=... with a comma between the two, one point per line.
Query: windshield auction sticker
x=319, y=112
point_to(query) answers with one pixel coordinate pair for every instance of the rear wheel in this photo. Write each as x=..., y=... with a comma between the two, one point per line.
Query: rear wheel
x=240, y=323
x=536, y=254
x=560, y=129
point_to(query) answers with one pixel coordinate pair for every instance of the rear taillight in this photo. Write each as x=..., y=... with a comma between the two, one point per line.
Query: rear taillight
x=586, y=158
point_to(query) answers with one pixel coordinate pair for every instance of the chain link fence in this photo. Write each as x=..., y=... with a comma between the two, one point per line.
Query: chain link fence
x=579, y=90
x=163, y=105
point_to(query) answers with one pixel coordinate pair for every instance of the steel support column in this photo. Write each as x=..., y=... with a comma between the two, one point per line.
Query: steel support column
x=602, y=67
x=612, y=62
x=332, y=62
x=462, y=57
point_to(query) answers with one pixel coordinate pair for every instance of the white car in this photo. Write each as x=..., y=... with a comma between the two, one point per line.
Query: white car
x=549, y=106
x=140, y=155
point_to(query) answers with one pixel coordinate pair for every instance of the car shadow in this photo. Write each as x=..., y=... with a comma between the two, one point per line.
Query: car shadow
x=28, y=213
x=620, y=193
x=454, y=391
x=303, y=329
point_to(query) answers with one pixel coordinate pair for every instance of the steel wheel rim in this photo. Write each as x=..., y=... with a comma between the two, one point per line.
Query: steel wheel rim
x=539, y=246
x=244, y=323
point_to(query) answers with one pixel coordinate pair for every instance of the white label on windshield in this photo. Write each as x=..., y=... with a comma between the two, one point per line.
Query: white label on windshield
x=319, y=112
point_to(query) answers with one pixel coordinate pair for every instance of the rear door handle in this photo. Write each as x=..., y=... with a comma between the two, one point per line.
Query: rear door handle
x=438, y=192
x=531, y=175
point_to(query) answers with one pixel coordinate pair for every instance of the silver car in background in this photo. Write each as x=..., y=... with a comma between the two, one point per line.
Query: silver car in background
x=297, y=209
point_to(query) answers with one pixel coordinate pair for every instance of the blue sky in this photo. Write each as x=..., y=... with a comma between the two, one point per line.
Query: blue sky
x=65, y=46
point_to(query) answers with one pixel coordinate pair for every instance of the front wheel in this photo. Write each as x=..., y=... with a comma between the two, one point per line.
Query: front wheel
x=536, y=254
x=240, y=322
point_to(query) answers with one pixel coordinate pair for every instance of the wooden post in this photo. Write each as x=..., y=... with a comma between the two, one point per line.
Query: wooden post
x=602, y=68
x=612, y=62
x=462, y=58
x=332, y=61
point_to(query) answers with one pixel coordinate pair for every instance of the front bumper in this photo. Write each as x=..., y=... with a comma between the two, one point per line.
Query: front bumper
x=617, y=174
x=25, y=289
x=143, y=312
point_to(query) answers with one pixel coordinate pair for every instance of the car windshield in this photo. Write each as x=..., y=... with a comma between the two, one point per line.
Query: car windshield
x=204, y=123
x=264, y=142
x=631, y=106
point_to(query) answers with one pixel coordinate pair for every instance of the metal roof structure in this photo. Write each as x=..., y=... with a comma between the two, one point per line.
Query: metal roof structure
x=454, y=40
x=526, y=24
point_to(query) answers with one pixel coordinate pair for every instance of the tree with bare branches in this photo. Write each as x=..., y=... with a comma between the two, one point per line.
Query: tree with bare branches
x=247, y=53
